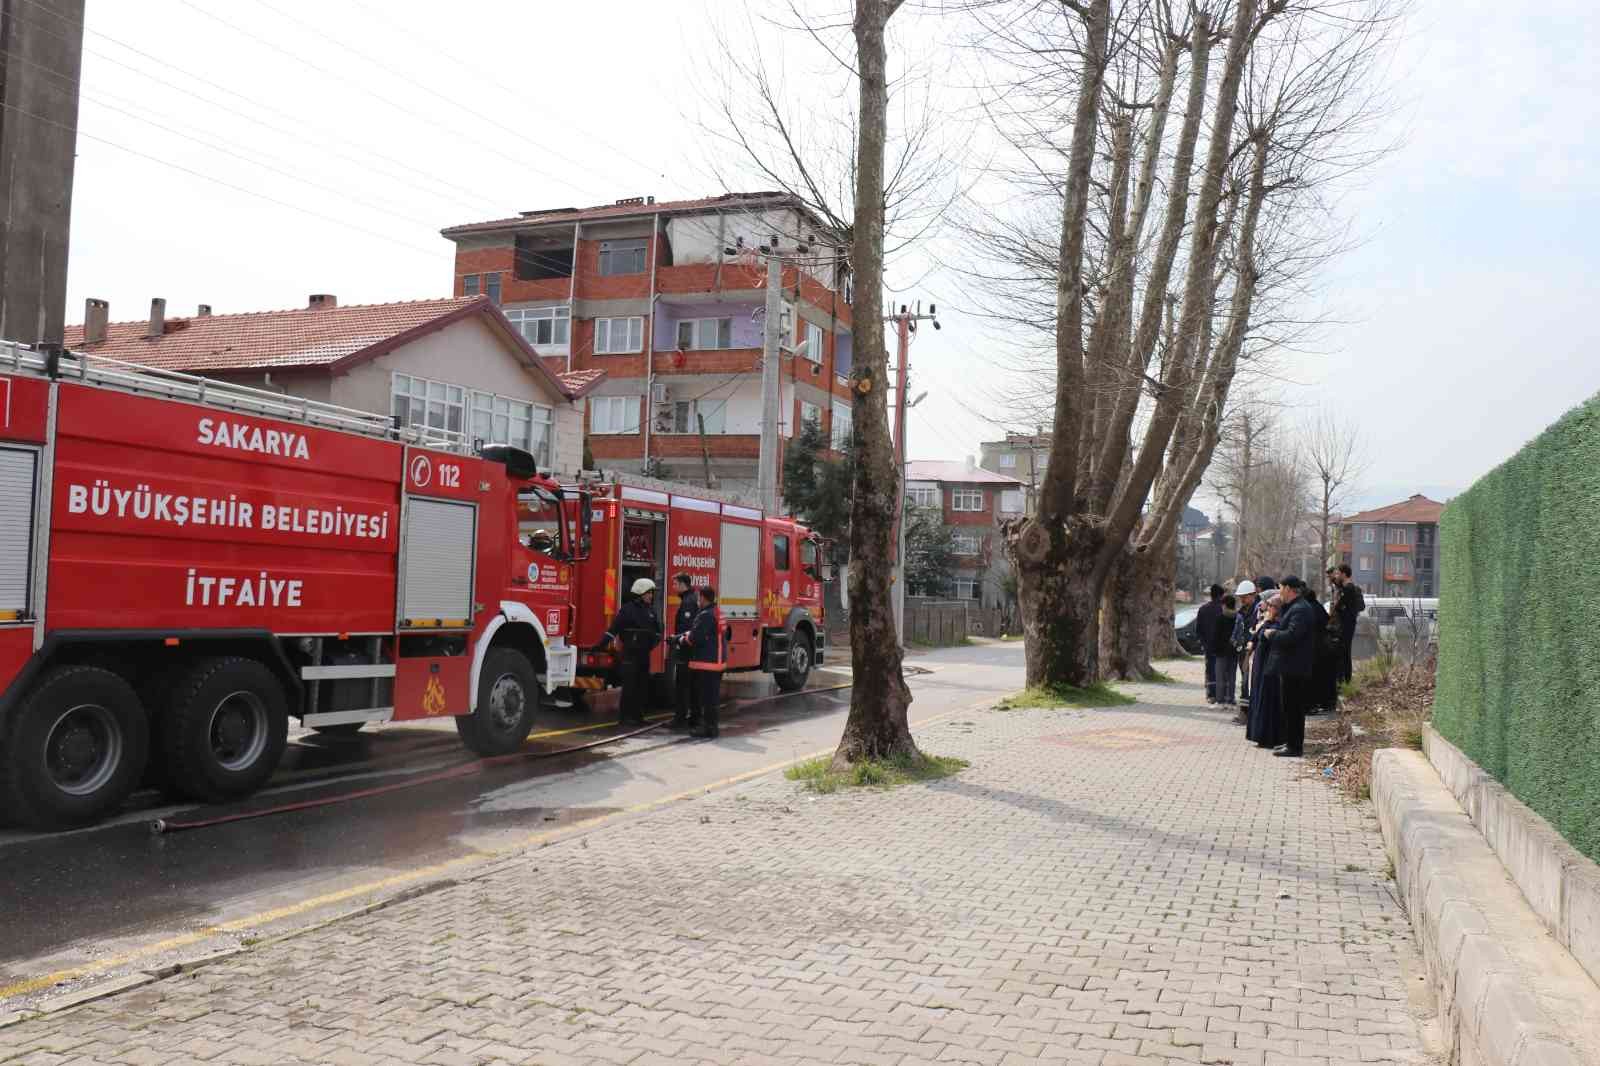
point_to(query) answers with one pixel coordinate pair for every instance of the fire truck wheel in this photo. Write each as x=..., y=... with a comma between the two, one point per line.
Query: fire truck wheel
x=225, y=729
x=800, y=656
x=76, y=748
x=508, y=697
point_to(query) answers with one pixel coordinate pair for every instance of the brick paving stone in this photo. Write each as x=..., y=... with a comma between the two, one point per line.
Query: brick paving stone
x=1133, y=885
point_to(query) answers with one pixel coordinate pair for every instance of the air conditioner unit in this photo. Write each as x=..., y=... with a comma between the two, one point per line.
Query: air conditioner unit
x=658, y=394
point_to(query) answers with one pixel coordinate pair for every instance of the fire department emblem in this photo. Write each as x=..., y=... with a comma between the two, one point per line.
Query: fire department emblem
x=433, y=701
x=774, y=607
x=421, y=471
x=565, y=575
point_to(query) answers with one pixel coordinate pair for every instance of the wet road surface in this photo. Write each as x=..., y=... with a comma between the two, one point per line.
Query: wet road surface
x=119, y=897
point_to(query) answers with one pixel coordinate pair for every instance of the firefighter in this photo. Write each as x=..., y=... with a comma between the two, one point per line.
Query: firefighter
x=708, y=658
x=638, y=630
x=541, y=540
x=685, y=699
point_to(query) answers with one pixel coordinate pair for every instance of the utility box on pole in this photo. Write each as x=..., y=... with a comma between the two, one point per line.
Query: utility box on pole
x=41, y=53
x=771, y=339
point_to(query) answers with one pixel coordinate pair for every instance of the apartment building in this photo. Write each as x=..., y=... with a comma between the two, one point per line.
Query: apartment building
x=972, y=502
x=1023, y=456
x=649, y=293
x=1394, y=550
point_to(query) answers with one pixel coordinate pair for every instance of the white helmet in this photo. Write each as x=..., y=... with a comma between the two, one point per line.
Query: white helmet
x=643, y=585
x=1246, y=587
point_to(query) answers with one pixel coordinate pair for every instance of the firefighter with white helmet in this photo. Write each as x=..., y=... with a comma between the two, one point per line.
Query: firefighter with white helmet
x=637, y=629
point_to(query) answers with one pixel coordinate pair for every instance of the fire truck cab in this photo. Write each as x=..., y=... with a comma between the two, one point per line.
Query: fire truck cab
x=185, y=565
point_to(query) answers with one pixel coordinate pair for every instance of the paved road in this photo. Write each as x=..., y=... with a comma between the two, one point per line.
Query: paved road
x=117, y=898
x=1104, y=887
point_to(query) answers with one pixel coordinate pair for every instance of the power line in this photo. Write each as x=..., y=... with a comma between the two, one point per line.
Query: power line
x=218, y=181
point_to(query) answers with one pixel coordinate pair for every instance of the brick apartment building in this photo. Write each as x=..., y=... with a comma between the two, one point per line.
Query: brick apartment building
x=972, y=502
x=646, y=292
x=1024, y=456
x=1394, y=550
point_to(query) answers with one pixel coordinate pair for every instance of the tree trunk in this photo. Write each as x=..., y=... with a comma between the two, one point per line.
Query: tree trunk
x=1059, y=599
x=879, y=698
x=1127, y=630
x=1163, y=594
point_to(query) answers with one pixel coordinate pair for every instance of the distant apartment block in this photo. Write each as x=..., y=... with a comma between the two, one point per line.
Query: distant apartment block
x=1394, y=550
x=972, y=502
x=1023, y=456
x=647, y=292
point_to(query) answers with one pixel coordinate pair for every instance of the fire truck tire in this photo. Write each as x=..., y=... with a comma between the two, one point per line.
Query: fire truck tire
x=508, y=698
x=225, y=729
x=801, y=655
x=76, y=749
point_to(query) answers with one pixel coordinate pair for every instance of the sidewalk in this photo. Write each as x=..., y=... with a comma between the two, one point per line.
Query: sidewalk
x=1112, y=886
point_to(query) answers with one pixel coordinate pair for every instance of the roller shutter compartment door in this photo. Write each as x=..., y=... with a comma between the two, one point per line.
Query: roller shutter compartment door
x=441, y=538
x=16, y=528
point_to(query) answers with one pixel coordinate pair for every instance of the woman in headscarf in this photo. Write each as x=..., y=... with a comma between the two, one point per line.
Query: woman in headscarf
x=1264, y=727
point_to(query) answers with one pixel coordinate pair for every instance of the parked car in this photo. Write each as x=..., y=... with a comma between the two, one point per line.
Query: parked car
x=1188, y=639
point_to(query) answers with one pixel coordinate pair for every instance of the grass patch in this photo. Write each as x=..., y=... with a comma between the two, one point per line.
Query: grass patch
x=817, y=774
x=1011, y=638
x=1098, y=694
x=1161, y=678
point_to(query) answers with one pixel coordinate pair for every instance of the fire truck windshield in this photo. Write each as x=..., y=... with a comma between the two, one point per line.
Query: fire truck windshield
x=539, y=522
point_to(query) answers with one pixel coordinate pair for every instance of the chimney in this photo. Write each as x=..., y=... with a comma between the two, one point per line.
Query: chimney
x=203, y=311
x=158, y=319
x=96, y=313
x=972, y=464
x=322, y=301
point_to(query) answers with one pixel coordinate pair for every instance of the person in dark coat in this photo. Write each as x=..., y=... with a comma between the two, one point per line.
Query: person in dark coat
x=1319, y=698
x=1205, y=631
x=1348, y=604
x=685, y=694
x=1263, y=724
x=708, y=658
x=1222, y=647
x=1291, y=656
x=637, y=629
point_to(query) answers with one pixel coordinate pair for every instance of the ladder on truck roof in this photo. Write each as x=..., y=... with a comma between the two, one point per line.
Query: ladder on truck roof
x=140, y=380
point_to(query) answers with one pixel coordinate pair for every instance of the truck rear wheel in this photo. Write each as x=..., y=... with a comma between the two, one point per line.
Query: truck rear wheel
x=800, y=656
x=225, y=730
x=76, y=749
x=508, y=697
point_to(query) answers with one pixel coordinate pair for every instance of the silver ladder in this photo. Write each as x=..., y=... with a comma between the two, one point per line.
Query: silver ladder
x=140, y=380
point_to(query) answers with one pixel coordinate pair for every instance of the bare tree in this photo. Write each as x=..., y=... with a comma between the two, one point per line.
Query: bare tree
x=1334, y=455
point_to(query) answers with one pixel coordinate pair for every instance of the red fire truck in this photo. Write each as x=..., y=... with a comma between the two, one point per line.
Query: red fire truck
x=185, y=564
x=768, y=574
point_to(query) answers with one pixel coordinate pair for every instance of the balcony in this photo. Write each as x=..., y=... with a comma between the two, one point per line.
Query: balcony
x=1396, y=577
x=1397, y=549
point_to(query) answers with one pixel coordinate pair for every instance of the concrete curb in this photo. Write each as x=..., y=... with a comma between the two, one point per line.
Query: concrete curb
x=1561, y=884
x=1508, y=994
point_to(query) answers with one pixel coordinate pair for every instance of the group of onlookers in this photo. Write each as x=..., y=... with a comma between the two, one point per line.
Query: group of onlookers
x=1288, y=652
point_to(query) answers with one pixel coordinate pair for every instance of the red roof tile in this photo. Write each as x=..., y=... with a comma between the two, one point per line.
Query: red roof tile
x=324, y=338
x=579, y=382
x=1416, y=509
x=630, y=210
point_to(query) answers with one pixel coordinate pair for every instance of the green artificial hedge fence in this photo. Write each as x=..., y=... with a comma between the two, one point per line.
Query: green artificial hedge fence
x=1519, y=625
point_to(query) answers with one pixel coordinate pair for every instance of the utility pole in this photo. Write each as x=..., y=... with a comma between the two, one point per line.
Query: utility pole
x=905, y=326
x=41, y=54
x=771, y=338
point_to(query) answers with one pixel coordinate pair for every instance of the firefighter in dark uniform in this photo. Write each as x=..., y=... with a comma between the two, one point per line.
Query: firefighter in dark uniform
x=685, y=697
x=637, y=629
x=708, y=658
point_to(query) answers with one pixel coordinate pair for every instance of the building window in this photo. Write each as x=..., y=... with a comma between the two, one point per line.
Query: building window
x=705, y=334
x=843, y=427
x=1427, y=590
x=1425, y=563
x=684, y=417
x=428, y=404
x=491, y=286
x=614, y=414
x=469, y=285
x=1008, y=460
x=923, y=496
x=964, y=542
x=810, y=414
x=1369, y=536
x=622, y=257
x=1365, y=563
x=618, y=336
x=966, y=588
x=966, y=500
x=502, y=420
x=811, y=347
x=1399, y=566
x=1011, y=501
x=1398, y=535
x=549, y=327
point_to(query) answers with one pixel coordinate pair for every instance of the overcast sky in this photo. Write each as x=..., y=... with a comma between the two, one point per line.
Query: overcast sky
x=291, y=147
